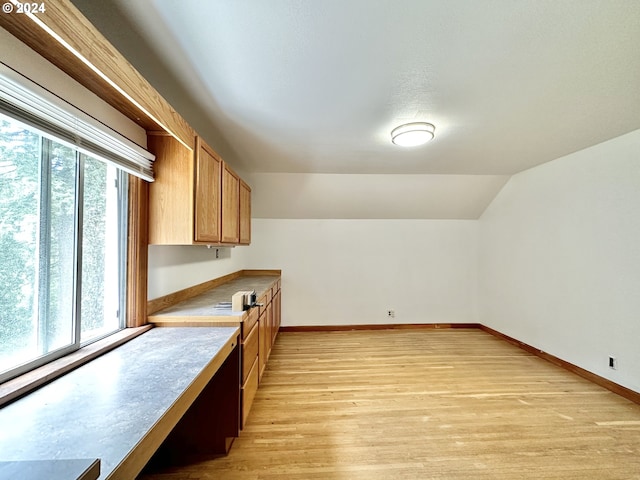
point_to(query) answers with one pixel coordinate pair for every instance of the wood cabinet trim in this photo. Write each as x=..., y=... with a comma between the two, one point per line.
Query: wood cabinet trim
x=137, y=258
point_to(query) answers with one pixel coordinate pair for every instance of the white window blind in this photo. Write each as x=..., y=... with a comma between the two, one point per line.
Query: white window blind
x=31, y=104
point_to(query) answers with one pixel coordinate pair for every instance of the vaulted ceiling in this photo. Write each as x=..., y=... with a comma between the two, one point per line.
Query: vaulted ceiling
x=307, y=89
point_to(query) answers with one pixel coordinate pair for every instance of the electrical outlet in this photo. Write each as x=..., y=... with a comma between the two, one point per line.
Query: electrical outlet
x=391, y=313
x=613, y=363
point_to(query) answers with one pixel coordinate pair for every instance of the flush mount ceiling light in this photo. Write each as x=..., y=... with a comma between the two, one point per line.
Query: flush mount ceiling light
x=412, y=134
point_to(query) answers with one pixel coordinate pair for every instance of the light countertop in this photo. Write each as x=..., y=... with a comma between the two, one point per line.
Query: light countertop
x=205, y=306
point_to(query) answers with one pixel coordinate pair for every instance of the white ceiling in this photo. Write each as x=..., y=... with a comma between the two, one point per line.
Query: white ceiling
x=315, y=86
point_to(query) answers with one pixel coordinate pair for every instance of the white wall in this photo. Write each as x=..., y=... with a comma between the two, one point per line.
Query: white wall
x=352, y=271
x=559, y=259
x=373, y=196
x=175, y=267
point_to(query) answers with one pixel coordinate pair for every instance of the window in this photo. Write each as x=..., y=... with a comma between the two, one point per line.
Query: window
x=63, y=221
x=62, y=248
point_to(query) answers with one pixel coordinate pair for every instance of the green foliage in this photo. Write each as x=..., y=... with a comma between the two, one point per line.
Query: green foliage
x=19, y=192
x=38, y=217
x=93, y=252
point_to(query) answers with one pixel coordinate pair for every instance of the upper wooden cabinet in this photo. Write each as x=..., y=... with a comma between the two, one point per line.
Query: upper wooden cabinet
x=208, y=226
x=230, y=206
x=245, y=213
x=195, y=198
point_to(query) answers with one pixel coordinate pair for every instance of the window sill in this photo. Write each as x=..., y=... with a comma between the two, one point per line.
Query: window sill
x=16, y=387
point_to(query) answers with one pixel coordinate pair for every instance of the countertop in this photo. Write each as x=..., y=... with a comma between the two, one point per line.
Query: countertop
x=107, y=407
x=79, y=469
x=204, y=307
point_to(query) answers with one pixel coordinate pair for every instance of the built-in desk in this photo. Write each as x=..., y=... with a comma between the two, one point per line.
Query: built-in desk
x=120, y=407
x=201, y=306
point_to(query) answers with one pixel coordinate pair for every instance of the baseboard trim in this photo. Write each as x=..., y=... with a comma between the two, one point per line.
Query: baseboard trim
x=592, y=377
x=386, y=326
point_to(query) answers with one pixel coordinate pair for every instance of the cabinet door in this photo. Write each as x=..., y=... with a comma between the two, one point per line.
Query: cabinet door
x=277, y=313
x=250, y=348
x=268, y=330
x=207, y=195
x=245, y=213
x=171, y=198
x=230, y=206
x=263, y=348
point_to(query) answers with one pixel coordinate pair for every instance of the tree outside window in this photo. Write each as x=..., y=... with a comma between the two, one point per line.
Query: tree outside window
x=61, y=248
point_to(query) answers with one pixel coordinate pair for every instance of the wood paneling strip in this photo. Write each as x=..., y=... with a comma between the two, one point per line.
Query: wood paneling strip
x=260, y=273
x=137, y=257
x=375, y=326
x=67, y=39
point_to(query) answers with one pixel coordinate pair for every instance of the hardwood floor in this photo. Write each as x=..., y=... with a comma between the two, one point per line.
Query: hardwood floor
x=424, y=404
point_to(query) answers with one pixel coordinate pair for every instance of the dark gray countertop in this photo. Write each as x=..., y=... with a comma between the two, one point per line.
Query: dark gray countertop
x=105, y=408
x=77, y=469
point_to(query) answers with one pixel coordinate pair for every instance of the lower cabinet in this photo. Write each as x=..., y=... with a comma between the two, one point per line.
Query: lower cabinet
x=266, y=334
x=277, y=311
x=248, y=392
x=250, y=345
x=259, y=333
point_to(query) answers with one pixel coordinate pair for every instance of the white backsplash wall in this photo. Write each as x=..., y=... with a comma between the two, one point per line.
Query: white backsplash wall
x=559, y=259
x=175, y=267
x=346, y=272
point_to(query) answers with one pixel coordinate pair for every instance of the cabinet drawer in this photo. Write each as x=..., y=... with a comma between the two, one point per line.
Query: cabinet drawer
x=248, y=392
x=249, y=323
x=265, y=300
x=249, y=352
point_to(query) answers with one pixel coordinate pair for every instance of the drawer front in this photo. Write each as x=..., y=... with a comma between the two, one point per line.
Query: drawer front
x=249, y=352
x=248, y=324
x=264, y=300
x=248, y=391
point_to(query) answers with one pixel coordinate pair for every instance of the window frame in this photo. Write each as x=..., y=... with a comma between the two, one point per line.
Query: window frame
x=43, y=243
x=98, y=67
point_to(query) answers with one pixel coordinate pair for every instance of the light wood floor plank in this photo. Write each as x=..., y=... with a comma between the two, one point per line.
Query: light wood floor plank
x=424, y=404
